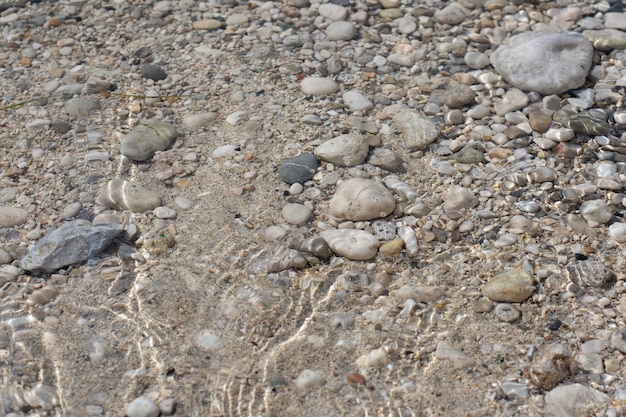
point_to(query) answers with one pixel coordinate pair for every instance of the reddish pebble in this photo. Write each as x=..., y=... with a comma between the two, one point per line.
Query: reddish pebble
x=54, y=22
x=356, y=379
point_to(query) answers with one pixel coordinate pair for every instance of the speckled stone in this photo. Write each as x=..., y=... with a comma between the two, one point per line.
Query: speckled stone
x=418, y=131
x=344, y=150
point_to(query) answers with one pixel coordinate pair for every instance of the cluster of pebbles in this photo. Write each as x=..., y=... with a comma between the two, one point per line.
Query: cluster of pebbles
x=309, y=207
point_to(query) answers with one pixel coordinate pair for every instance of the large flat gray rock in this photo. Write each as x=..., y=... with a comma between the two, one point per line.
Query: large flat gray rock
x=72, y=243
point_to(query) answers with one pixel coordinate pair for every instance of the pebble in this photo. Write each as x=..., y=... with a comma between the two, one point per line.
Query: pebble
x=193, y=122
x=417, y=130
x=73, y=242
x=454, y=95
x=618, y=339
x=79, y=108
x=125, y=195
x=458, y=358
x=298, y=169
x=333, y=11
x=153, y=72
x=362, y=199
x=514, y=99
x=401, y=60
x=373, y=359
x=606, y=39
x=476, y=60
x=224, y=150
x=356, y=245
x=480, y=111
x=237, y=19
x=507, y=312
x=207, y=24
x=392, y=247
x=617, y=231
x=340, y=31
x=596, y=211
x=208, y=341
x=317, y=246
x=356, y=101
x=576, y=400
x=309, y=379
x=458, y=198
x=386, y=159
x=296, y=214
x=344, y=150
x=142, y=407
x=512, y=286
x=551, y=366
x=147, y=138
x=452, y=14
x=318, y=86
x=163, y=212
x=529, y=60
x=236, y=118
x=12, y=216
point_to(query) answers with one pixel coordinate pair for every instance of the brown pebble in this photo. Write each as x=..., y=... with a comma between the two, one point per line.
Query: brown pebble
x=54, y=22
x=392, y=247
x=356, y=379
x=500, y=153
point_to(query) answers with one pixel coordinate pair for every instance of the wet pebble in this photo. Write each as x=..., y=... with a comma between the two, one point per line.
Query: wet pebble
x=299, y=169
x=362, y=199
x=344, y=150
x=142, y=407
x=353, y=244
x=316, y=246
x=125, y=195
x=513, y=286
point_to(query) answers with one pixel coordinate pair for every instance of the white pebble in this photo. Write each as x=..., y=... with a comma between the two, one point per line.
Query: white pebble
x=183, y=203
x=164, y=212
x=208, y=341
x=142, y=407
x=309, y=379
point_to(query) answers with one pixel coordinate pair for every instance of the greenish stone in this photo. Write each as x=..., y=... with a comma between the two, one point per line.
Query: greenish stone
x=582, y=122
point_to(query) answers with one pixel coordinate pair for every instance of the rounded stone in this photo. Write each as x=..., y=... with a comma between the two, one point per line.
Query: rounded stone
x=513, y=286
x=340, y=31
x=196, y=121
x=476, y=60
x=297, y=214
x=309, y=379
x=530, y=60
x=618, y=231
x=79, y=108
x=153, y=72
x=318, y=86
x=356, y=101
x=333, y=11
x=458, y=198
x=207, y=24
x=344, y=150
x=142, y=407
x=148, y=137
x=299, y=169
x=360, y=199
x=12, y=216
x=317, y=246
x=125, y=195
x=452, y=14
x=596, y=211
x=357, y=245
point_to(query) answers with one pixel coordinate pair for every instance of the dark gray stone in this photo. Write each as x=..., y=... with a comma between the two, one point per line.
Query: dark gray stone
x=74, y=242
x=153, y=72
x=299, y=169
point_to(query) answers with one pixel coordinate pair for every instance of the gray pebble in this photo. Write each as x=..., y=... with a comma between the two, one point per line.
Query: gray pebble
x=71, y=210
x=196, y=121
x=79, y=108
x=340, y=31
x=596, y=211
x=458, y=198
x=385, y=158
x=476, y=60
x=507, y=312
x=183, y=203
x=575, y=400
x=417, y=131
x=163, y=212
x=356, y=101
x=153, y=72
x=299, y=169
x=309, y=379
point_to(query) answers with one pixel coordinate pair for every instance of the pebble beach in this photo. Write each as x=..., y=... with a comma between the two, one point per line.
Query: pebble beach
x=312, y=208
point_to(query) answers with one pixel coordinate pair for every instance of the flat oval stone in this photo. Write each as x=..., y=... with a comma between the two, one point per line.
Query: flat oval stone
x=513, y=286
x=318, y=86
x=362, y=199
x=299, y=169
x=297, y=214
x=12, y=216
x=79, y=108
x=344, y=150
x=125, y=195
x=148, y=137
x=340, y=31
x=530, y=60
x=357, y=245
